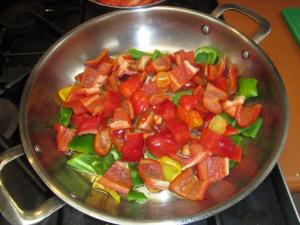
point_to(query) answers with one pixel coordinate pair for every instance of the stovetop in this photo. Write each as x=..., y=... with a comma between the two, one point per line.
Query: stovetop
x=27, y=30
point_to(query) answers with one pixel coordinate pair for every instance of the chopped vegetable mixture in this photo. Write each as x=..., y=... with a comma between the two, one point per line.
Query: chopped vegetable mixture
x=164, y=121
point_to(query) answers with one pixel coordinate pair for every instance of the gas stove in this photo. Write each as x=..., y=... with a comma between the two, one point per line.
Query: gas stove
x=27, y=29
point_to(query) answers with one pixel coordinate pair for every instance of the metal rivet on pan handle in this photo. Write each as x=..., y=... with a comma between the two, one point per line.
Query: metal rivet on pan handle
x=264, y=25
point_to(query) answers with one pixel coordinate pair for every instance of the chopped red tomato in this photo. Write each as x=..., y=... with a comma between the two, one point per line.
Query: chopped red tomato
x=179, y=77
x=188, y=186
x=97, y=61
x=246, y=115
x=166, y=109
x=132, y=150
x=130, y=86
x=89, y=126
x=214, y=71
x=158, y=98
x=220, y=145
x=212, y=97
x=188, y=101
x=145, y=122
x=117, y=177
x=140, y=102
x=76, y=106
x=214, y=168
x=105, y=68
x=181, y=56
x=92, y=78
x=93, y=103
x=152, y=174
x=102, y=142
x=63, y=137
x=162, y=143
x=163, y=63
x=121, y=120
x=221, y=82
x=179, y=130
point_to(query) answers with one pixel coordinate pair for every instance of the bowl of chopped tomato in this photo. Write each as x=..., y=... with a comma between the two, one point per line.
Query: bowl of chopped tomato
x=160, y=115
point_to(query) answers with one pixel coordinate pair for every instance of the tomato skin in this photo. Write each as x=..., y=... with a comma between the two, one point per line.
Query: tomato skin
x=188, y=101
x=63, y=137
x=179, y=130
x=152, y=174
x=132, y=150
x=166, y=109
x=220, y=145
x=188, y=186
x=130, y=86
x=246, y=115
x=211, y=98
x=102, y=142
x=117, y=177
x=162, y=143
x=140, y=102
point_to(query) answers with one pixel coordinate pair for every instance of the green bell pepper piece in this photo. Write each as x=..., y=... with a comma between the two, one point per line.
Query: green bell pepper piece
x=136, y=54
x=156, y=54
x=88, y=163
x=136, y=196
x=238, y=140
x=83, y=143
x=135, y=178
x=229, y=120
x=206, y=55
x=149, y=155
x=253, y=129
x=64, y=116
x=176, y=97
x=247, y=87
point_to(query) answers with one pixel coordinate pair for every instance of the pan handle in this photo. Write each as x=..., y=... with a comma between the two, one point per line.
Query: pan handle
x=265, y=27
x=9, y=208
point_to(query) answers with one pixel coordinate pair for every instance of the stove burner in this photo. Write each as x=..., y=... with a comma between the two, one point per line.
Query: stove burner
x=8, y=118
x=18, y=19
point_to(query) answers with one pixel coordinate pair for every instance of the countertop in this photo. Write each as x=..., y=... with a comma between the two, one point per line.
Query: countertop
x=284, y=53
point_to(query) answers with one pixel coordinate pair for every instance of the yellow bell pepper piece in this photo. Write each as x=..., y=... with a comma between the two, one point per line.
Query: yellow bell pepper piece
x=111, y=192
x=217, y=124
x=65, y=92
x=171, y=168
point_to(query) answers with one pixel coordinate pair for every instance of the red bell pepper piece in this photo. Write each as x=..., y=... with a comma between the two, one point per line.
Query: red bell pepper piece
x=89, y=126
x=77, y=120
x=220, y=145
x=179, y=130
x=104, y=55
x=113, y=101
x=63, y=137
x=102, y=142
x=130, y=86
x=166, y=109
x=92, y=78
x=246, y=115
x=140, y=102
x=188, y=101
x=162, y=143
x=132, y=150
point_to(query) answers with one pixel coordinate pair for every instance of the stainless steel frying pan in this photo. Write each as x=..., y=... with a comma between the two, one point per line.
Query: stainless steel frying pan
x=165, y=28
